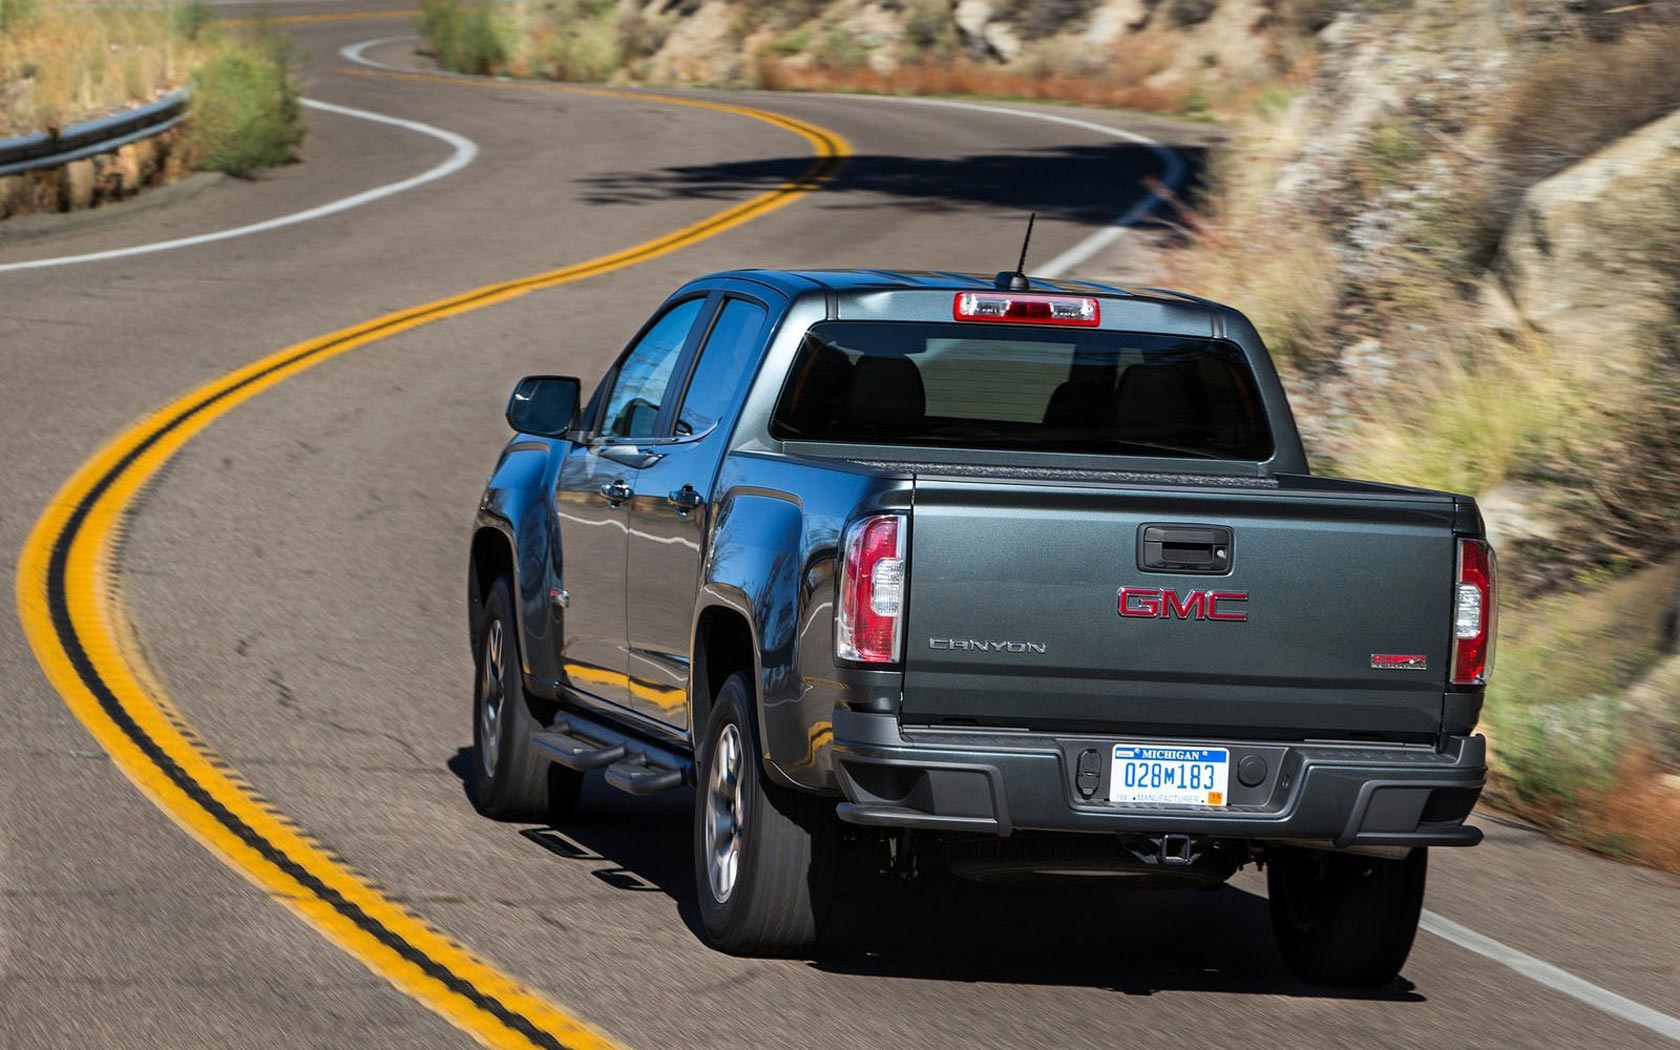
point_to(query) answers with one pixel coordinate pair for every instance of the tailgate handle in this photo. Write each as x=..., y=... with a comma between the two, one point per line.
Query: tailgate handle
x=1189, y=549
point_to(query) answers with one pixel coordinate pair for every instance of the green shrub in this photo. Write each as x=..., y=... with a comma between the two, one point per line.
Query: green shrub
x=463, y=35
x=17, y=12
x=1391, y=151
x=929, y=27
x=191, y=20
x=1274, y=100
x=838, y=48
x=793, y=42
x=1554, y=715
x=572, y=40
x=1197, y=105
x=244, y=112
x=1557, y=758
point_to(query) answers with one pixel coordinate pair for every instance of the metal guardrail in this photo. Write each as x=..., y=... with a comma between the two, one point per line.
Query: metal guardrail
x=45, y=149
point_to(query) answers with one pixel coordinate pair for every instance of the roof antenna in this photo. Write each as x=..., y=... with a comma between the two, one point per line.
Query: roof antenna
x=1016, y=280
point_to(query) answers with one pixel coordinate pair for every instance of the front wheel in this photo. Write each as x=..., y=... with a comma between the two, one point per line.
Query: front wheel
x=1343, y=919
x=763, y=853
x=508, y=781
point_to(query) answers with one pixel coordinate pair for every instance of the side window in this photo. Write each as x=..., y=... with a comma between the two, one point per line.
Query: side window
x=729, y=354
x=639, y=389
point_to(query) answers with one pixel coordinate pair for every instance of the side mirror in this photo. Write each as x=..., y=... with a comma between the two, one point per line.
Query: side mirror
x=544, y=405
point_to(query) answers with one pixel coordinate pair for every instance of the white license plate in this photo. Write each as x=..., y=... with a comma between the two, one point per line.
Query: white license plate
x=1159, y=773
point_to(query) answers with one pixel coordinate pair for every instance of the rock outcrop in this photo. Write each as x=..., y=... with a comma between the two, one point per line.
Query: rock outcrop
x=1583, y=261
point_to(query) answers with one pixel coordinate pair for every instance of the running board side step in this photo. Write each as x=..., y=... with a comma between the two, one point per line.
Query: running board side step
x=633, y=765
x=569, y=751
x=638, y=778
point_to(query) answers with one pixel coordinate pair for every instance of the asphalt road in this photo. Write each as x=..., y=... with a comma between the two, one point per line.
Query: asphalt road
x=293, y=579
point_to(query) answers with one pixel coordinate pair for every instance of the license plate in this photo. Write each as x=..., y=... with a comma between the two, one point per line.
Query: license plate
x=1157, y=774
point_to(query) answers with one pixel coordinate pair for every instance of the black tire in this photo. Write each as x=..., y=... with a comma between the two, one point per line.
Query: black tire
x=508, y=781
x=1343, y=919
x=786, y=842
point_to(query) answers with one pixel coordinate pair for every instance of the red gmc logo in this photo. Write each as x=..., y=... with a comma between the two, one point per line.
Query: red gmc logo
x=1157, y=604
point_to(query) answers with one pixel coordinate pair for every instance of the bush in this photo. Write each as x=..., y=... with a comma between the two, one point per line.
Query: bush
x=929, y=27
x=14, y=13
x=579, y=40
x=1489, y=410
x=244, y=111
x=1564, y=748
x=838, y=48
x=193, y=19
x=463, y=36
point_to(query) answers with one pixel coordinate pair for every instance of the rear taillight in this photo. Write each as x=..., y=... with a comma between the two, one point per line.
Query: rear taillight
x=1475, y=613
x=868, y=628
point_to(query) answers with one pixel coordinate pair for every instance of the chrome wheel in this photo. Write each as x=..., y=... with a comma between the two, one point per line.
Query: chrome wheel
x=490, y=697
x=724, y=813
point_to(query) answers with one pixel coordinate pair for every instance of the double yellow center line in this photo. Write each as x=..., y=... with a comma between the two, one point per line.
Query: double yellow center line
x=68, y=594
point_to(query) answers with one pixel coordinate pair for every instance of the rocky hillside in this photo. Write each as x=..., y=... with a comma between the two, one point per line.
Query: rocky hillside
x=1188, y=56
x=1460, y=235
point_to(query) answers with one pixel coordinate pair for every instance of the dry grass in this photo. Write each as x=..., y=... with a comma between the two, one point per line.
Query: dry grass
x=1276, y=262
x=1643, y=808
x=1566, y=752
x=1576, y=99
x=1473, y=412
x=1630, y=814
x=1123, y=79
x=64, y=62
x=963, y=77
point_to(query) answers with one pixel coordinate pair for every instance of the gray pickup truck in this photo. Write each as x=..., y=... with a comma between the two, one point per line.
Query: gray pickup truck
x=1025, y=578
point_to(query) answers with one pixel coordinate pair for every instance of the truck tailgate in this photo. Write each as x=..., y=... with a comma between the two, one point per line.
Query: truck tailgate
x=1332, y=619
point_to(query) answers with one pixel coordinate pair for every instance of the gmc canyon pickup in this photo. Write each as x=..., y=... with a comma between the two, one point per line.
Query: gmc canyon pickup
x=1027, y=576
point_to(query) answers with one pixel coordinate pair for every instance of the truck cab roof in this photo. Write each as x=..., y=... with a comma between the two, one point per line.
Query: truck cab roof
x=796, y=282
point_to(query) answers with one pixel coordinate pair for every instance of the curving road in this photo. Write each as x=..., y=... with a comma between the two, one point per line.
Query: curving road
x=290, y=580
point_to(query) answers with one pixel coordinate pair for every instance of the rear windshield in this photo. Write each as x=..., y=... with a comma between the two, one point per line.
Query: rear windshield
x=1007, y=387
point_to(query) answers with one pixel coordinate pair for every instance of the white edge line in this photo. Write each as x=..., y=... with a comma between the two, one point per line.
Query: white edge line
x=465, y=150
x=1173, y=170
x=1552, y=977
x=353, y=53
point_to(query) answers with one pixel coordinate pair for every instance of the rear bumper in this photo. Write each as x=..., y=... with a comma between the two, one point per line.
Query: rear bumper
x=989, y=782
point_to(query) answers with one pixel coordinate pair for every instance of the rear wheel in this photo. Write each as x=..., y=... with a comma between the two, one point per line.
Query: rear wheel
x=763, y=854
x=1343, y=919
x=508, y=781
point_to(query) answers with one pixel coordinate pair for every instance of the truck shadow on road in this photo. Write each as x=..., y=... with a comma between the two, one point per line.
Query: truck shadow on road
x=1086, y=184
x=935, y=927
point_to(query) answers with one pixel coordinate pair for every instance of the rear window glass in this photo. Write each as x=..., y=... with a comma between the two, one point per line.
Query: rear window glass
x=1037, y=389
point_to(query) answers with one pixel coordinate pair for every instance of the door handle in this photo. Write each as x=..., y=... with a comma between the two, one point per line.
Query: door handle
x=1185, y=549
x=686, y=499
x=617, y=491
